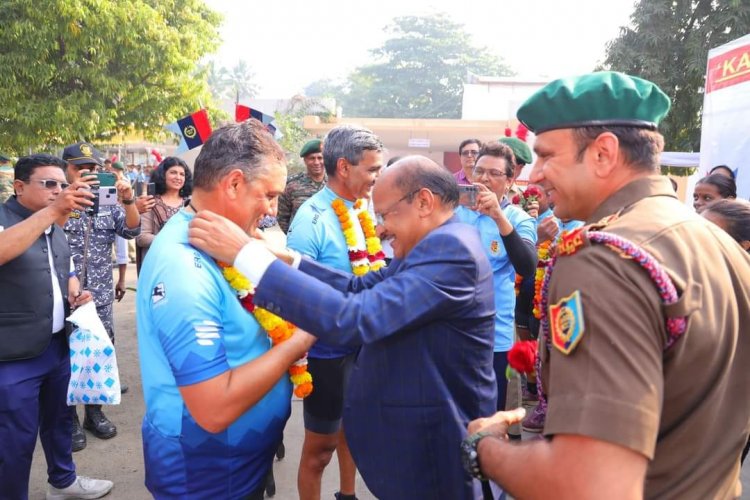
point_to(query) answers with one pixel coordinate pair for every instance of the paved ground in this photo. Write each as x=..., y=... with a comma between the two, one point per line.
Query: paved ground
x=121, y=460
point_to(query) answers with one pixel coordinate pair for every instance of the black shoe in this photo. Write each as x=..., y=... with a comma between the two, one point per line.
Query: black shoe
x=270, y=484
x=124, y=388
x=340, y=496
x=281, y=451
x=98, y=424
x=79, y=437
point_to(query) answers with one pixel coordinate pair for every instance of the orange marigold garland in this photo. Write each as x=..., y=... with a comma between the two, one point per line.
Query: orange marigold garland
x=543, y=253
x=278, y=330
x=369, y=257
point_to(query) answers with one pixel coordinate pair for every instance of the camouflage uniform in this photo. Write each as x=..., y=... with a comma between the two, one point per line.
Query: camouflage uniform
x=109, y=222
x=299, y=188
x=6, y=183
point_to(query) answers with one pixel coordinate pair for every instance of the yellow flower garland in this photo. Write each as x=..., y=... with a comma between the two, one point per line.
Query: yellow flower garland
x=277, y=329
x=369, y=258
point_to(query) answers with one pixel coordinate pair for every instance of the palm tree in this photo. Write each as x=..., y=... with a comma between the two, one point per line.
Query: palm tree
x=240, y=81
x=217, y=79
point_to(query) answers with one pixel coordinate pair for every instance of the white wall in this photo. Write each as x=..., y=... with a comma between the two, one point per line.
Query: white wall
x=496, y=100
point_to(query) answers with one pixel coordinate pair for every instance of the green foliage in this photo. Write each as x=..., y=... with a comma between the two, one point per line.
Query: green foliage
x=294, y=134
x=418, y=73
x=88, y=69
x=678, y=171
x=668, y=43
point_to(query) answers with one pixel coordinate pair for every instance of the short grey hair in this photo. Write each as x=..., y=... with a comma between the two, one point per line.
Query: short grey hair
x=349, y=142
x=240, y=145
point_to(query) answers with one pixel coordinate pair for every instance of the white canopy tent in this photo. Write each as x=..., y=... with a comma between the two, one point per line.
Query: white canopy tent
x=678, y=159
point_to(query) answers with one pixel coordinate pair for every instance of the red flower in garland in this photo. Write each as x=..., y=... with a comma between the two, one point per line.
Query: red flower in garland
x=522, y=356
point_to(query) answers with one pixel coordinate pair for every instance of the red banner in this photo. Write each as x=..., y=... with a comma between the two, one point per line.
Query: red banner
x=728, y=69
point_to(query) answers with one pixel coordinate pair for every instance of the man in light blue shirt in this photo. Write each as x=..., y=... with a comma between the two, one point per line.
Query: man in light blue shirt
x=353, y=158
x=217, y=395
x=508, y=236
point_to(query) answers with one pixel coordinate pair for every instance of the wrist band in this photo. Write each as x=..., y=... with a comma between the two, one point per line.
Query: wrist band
x=128, y=202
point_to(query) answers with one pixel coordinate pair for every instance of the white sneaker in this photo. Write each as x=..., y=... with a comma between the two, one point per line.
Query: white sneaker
x=83, y=487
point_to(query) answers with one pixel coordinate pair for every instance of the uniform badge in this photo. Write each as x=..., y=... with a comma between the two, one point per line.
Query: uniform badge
x=86, y=150
x=566, y=323
x=494, y=247
x=571, y=242
x=75, y=214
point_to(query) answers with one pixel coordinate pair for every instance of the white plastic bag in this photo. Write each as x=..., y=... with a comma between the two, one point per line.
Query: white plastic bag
x=94, y=378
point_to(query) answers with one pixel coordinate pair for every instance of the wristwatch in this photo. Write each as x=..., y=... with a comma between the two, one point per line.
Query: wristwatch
x=128, y=202
x=470, y=456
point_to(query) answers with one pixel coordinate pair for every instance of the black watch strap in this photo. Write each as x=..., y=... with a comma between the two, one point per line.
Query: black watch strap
x=470, y=456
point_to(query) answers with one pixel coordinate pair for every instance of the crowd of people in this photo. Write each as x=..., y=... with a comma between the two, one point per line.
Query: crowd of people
x=393, y=311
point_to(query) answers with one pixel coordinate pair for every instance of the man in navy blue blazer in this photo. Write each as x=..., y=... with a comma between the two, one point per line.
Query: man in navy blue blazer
x=425, y=326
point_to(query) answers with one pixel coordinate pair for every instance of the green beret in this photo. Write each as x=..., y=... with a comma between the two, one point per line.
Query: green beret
x=521, y=150
x=118, y=165
x=605, y=98
x=310, y=147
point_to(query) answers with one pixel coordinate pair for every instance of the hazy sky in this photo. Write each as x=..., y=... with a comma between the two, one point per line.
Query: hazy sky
x=291, y=43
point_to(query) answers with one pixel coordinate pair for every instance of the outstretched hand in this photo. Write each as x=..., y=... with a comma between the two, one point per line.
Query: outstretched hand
x=219, y=237
x=498, y=424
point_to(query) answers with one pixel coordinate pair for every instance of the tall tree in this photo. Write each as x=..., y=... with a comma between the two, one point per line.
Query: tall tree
x=239, y=81
x=87, y=69
x=667, y=43
x=216, y=78
x=419, y=72
x=294, y=135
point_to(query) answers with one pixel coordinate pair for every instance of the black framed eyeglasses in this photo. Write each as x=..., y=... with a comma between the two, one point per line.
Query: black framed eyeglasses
x=51, y=183
x=380, y=217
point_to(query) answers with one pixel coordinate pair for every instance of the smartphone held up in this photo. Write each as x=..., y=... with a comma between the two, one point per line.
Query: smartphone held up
x=467, y=195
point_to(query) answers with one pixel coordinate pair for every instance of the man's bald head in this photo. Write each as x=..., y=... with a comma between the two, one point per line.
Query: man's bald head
x=412, y=173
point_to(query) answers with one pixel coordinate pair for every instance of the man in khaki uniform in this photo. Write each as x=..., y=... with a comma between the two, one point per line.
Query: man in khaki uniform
x=300, y=187
x=629, y=416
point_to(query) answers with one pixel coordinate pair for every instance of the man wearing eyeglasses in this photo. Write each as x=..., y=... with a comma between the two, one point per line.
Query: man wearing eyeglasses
x=353, y=159
x=92, y=257
x=468, y=151
x=37, y=290
x=424, y=326
x=508, y=239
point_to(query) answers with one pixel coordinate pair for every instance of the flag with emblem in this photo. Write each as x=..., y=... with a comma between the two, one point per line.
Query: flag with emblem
x=193, y=129
x=242, y=113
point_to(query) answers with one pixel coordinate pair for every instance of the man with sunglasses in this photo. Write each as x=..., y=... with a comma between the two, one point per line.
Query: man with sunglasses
x=37, y=290
x=91, y=236
x=424, y=326
x=468, y=151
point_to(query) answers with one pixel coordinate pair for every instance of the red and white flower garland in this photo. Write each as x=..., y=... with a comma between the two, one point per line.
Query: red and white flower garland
x=364, y=256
